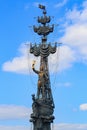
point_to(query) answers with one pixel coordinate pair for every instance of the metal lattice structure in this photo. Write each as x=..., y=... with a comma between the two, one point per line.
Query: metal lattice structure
x=43, y=104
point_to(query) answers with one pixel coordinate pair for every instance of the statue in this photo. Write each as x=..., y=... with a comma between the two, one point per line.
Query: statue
x=43, y=104
x=42, y=78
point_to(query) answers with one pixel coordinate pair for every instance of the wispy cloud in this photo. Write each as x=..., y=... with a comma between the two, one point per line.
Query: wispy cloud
x=14, y=128
x=85, y=4
x=66, y=126
x=27, y=6
x=61, y=4
x=9, y=112
x=74, y=109
x=65, y=84
x=62, y=59
x=62, y=126
x=83, y=107
x=75, y=33
x=36, y=4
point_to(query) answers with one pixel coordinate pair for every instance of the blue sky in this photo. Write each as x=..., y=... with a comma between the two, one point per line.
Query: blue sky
x=68, y=67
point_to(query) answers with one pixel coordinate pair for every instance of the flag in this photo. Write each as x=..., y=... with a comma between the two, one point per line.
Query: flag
x=41, y=6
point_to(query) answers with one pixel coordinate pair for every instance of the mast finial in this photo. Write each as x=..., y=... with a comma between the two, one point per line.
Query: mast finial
x=41, y=6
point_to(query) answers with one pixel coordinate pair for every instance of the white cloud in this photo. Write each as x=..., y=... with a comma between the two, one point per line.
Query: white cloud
x=85, y=4
x=62, y=59
x=62, y=126
x=61, y=4
x=66, y=126
x=74, y=47
x=83, y=107
x=75, y=32
x=59, y=61
x=20, y=64
x=14, y=128
x=65, y=84
x=9, y=112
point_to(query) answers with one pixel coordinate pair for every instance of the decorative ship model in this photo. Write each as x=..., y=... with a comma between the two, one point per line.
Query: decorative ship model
x=43, y=104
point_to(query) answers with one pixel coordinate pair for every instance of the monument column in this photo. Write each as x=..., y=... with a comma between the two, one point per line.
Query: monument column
x=43, y=104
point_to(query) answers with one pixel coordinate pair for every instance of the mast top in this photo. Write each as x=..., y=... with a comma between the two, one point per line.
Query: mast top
x=41, y=6
x=43, y=29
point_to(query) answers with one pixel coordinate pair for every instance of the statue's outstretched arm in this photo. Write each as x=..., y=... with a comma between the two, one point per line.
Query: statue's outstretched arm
x=33, y=68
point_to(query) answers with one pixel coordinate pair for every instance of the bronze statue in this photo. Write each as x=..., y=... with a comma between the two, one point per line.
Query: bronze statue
x=43, y=104
x=42, y=78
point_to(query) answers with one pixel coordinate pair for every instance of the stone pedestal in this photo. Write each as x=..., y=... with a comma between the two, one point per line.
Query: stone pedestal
x=42, y=115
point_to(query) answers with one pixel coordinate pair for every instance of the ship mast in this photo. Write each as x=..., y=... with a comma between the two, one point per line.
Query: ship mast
x=43, y=104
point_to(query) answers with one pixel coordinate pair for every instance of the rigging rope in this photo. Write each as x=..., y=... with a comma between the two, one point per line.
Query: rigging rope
x=52, y=126
x=56, y=68
x=31, y=128
x=57, y=58
x=28, y=58
x=30, y=73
